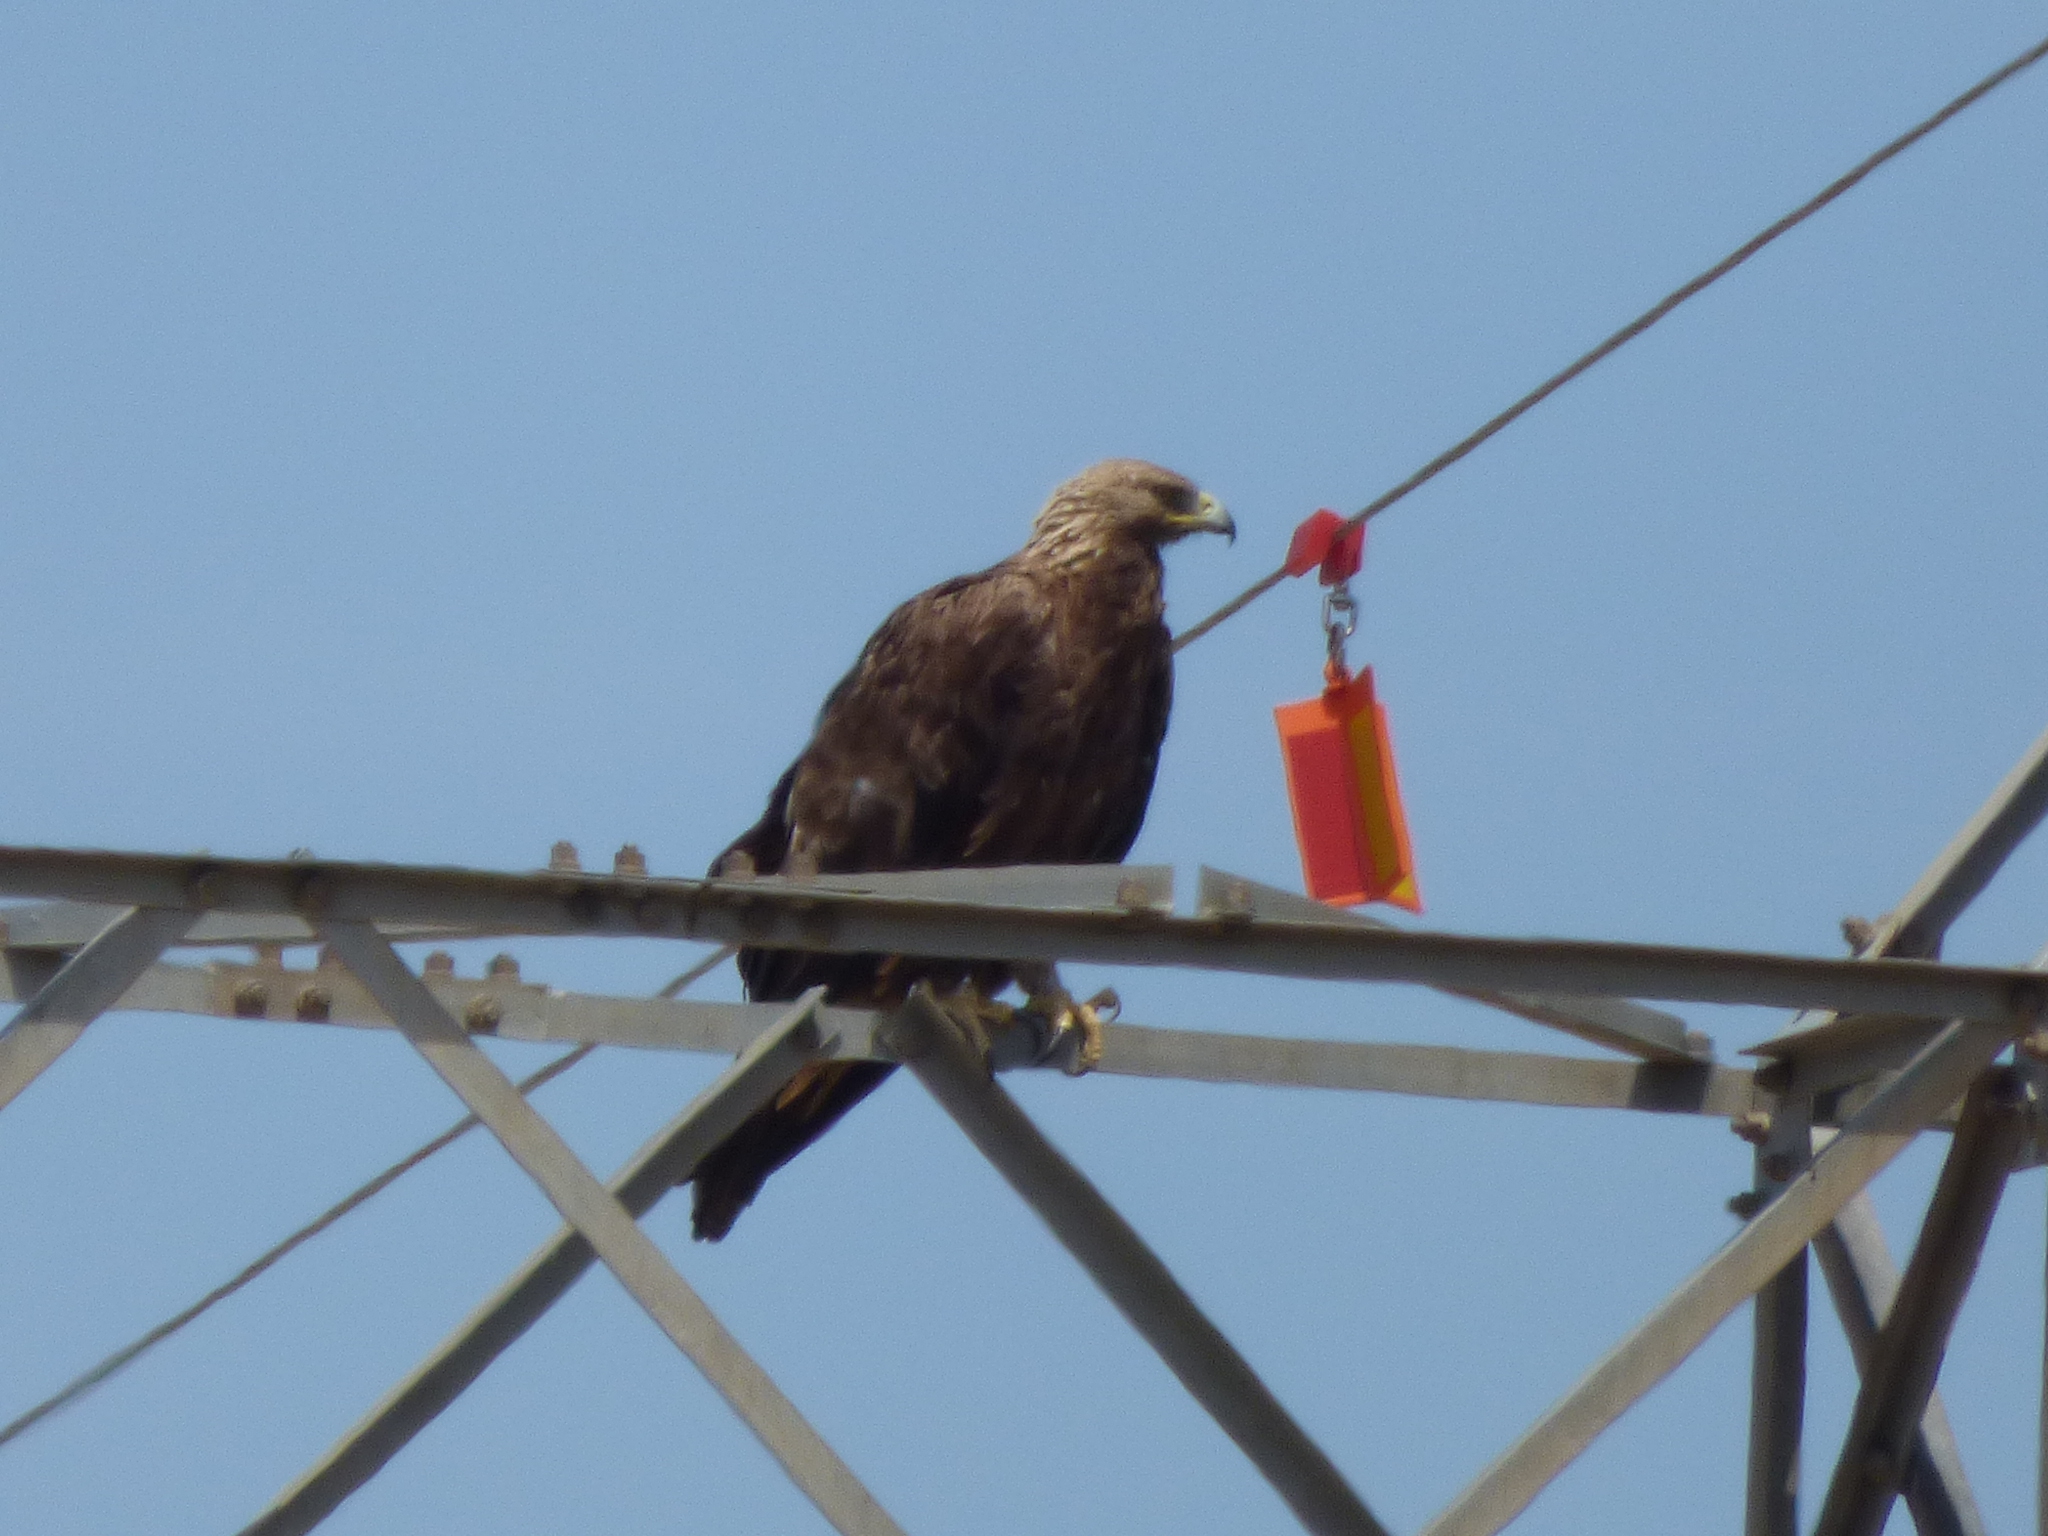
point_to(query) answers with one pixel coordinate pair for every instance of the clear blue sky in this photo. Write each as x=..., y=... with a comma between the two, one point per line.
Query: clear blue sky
x=427, y=432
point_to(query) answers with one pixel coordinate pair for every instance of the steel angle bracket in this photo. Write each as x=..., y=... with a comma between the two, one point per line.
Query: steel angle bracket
x=1029, y=887
x=1616, y=1023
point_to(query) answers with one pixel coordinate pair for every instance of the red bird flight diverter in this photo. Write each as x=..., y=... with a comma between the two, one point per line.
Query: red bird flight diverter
x=1341, y=783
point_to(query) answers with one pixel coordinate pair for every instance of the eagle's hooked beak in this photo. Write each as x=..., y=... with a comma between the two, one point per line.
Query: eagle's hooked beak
x=1209, y=516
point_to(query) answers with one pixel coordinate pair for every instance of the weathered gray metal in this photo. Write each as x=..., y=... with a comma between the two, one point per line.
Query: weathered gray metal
x=517, y=1010
x=1616, y=1023
x=1917, y=925
x=627, y=1252
x=1657, y=1345
x=1907, y=1354
x=667, y=1158
x=1777, y=1377
x=83, y=988
x=1862, y=1280
x=1054, y=887
x=1130, y=1274
x=740, y=911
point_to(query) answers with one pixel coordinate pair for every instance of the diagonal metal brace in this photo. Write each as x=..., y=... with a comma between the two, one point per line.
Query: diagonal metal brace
x=1864, y=1282
x=1132, y=1276
x=1661, y=1342
x=87, y=985
x=628, y=1252
x=1907, y=1356
x=667, y=1159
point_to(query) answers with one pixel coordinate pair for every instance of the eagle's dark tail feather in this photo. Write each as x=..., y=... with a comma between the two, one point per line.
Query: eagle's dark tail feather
x=733, y=1172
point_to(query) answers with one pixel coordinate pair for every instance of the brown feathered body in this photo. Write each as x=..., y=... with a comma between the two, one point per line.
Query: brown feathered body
x=1013, y=716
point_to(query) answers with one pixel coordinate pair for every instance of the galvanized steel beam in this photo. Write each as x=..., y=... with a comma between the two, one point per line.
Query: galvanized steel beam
x=513, y=1010
x=1130, y=1274
x=1054, y=887
x=1777, y=1378
x=1914, y=1335
x=628, y=1252
x=1616, y=1023
x=667, y=1159
x=732, y=912
x=83, y=988
x=1663, y=1340
x=1915, y=927
x=1862, y=1280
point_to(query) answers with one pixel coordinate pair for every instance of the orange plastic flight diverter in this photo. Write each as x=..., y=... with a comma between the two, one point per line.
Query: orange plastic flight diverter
x=1348, y=819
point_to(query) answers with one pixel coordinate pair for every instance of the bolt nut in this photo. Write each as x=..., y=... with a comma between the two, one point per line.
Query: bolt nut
x=562, y=859
x=251, y=1000
x=483, y=1014
x=313, y=1005
x=205, y=888
x=630, y=862
x=440, y=963
x=1753, y=1126
x=2035, y=1044
x=312, y=891
x=502, y=968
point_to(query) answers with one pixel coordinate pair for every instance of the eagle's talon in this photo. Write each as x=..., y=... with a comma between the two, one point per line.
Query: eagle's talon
x=1087, y=1018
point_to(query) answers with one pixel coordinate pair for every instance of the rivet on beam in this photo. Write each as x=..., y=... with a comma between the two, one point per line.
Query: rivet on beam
x=630, y=862
x=562, y=859
x=204, y=887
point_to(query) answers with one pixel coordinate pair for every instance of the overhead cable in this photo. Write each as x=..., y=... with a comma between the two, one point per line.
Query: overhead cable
x=1637, y=326
x=128, y=1354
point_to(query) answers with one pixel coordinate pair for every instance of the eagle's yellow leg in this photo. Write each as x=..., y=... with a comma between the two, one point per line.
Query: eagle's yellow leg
x=1047, y=996
x=981, y=1018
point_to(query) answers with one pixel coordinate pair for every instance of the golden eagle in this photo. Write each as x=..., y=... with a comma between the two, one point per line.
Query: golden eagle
x=1009, y=717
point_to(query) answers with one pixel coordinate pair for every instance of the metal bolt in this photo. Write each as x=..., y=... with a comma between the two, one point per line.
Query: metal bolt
x=483, y=1014
x=562, y=859
x=1699, y=1043
x=1857, y=932
x=1778, y=1167
x=2035, y=1045
x=1753, y=1126
x=630, y=862
x=1747, y=1204
x=440, y=963
x=1132, y=896
x=502, y=968
x=1774, y=1076
x=312, y=891
x=313, y=1005
x=270, y=955
x=252, y=1000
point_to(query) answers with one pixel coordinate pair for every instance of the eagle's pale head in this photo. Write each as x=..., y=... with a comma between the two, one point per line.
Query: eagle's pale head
x=1127, y=500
